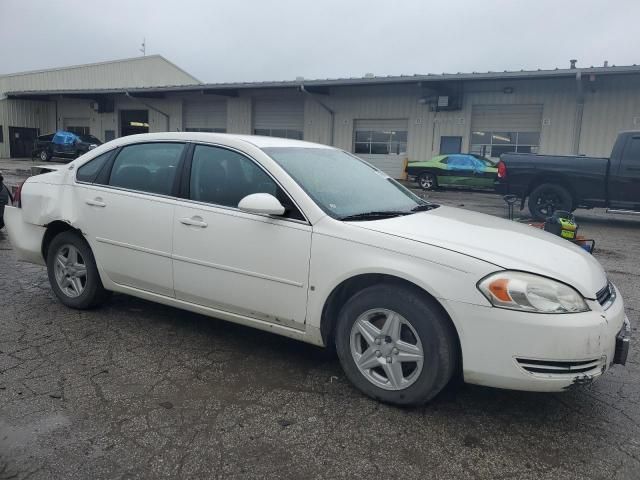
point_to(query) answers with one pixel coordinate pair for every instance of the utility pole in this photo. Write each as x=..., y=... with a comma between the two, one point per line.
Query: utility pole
x=143, y=46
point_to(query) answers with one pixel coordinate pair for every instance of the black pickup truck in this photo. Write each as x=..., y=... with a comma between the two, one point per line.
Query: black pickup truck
x=559, y=182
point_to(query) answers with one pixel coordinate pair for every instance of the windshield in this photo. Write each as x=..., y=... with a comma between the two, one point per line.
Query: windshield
x=343, y=185
x=89, y=139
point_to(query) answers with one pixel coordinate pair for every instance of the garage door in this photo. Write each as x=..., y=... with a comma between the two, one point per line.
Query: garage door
x=204, y=115
x=498, y=129
x=382, y=143
x=79, y=126
x=278, y=118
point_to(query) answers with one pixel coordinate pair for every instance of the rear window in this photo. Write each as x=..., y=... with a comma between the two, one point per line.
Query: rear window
x=90, y=170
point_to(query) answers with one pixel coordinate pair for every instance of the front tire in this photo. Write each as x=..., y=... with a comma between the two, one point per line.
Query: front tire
x=73, y=273
x=44, y=155
x=395, y=344
x=427, y=181
x=548, y=198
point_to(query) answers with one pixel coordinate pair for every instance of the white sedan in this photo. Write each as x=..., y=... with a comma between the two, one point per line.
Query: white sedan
x=310, y=242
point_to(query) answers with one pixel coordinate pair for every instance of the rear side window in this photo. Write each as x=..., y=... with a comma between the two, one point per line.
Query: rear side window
x=147, y=167
x=90, y=170
x=632, y=151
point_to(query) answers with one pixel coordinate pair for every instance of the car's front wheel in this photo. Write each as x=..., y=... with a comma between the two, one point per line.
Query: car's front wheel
x=44, y=155
x=73, y=273
x=395, y=344
x=427, y=181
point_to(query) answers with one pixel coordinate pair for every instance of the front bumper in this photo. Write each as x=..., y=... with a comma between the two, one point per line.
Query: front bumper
x=539, y=352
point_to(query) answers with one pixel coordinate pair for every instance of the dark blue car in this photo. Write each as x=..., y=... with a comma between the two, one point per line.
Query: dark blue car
x=63, y=144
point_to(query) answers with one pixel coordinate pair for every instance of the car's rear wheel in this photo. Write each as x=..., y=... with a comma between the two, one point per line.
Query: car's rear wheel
x=395, y=344
x=73, y=273
x=44, y=155
x=427, y=181
x=548, y=198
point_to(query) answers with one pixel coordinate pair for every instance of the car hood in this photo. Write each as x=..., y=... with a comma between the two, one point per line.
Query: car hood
x=504, y=243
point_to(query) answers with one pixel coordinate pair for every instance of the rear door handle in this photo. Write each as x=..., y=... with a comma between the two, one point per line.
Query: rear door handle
x=194, y=222
x=96, y=202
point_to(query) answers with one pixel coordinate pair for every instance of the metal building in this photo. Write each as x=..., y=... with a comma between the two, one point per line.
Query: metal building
x=386, y=120
x=21, y=120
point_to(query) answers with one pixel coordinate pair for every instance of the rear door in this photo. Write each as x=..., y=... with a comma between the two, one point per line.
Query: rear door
x=126, y=212
x=624, y=177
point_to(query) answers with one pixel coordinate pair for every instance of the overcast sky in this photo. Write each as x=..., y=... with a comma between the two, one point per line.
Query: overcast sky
x=241, y=40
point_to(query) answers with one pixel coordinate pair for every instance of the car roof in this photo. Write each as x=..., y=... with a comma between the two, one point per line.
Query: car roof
x=255, y=140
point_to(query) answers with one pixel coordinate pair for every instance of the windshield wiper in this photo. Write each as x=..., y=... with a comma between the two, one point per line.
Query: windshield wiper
x=374, y=215
x=424, y=208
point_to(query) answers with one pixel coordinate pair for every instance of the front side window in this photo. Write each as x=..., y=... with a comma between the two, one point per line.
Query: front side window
x=343, y=185
x=494, y=144
x=224, y=177
x=90, y=170
x=147, y=167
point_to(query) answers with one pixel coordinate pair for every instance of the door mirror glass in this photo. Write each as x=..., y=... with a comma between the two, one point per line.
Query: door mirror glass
x=263, y=203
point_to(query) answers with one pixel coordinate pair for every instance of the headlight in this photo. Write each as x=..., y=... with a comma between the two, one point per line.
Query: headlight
x=531, y=293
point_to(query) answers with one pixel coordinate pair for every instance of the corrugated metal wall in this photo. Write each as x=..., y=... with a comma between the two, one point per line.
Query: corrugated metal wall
x=611, y=105
x=136, y=72
x=24, y=113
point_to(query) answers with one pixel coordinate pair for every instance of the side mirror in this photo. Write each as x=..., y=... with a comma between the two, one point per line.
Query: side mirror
x=263, y=203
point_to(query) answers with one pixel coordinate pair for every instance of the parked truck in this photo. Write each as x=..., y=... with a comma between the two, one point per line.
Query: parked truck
x=562, y=182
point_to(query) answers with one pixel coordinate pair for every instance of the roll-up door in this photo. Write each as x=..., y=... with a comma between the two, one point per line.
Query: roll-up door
x=498, y=129
x=382, y=143
x=507, y=118
x=278, y=118
x=205, y=115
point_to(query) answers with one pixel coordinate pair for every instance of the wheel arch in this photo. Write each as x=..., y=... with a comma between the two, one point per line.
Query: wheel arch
x=53, y=229
x=556, y=179
x=350, y=286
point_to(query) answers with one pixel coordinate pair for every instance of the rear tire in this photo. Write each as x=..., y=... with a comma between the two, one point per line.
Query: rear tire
x=44, y=155
x=73, y=273
x=403, y=362
x=548, y=198
x=427, y=181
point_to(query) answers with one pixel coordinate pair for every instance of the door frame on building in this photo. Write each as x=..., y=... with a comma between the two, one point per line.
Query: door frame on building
x=134, y=115
x=26, y=149
x=454, y=144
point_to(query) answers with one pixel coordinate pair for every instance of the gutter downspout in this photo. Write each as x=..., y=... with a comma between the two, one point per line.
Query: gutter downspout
x=151, y=107
x=332, y=113
x=577, y=132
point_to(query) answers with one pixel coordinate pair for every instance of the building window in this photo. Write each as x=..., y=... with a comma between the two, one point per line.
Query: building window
x=1, y=134
x=494, y=144
x=206, y=130
x=380, y=142
x=78, y=130
x=279, y=132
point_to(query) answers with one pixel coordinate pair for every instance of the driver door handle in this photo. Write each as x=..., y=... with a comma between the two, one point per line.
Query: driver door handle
x=194, y=222
x=96, y=202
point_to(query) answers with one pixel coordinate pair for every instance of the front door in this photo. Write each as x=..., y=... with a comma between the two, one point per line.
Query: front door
x=624, y=177
x=22, y=141
x=243, y=263
x=126, y=213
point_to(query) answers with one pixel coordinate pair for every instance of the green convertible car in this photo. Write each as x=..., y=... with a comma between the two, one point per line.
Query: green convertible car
x=454, y=170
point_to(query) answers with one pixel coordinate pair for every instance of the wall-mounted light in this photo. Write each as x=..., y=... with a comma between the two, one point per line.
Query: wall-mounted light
x=507, y=90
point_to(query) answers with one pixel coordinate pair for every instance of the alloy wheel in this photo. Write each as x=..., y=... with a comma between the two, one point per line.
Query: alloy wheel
x=386, y=349
x=70, y=271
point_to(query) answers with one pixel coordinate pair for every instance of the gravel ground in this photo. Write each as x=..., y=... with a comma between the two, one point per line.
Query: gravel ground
x=138, y=390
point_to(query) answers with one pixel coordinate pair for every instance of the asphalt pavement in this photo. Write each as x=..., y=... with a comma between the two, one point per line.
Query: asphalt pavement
x=139, y=390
